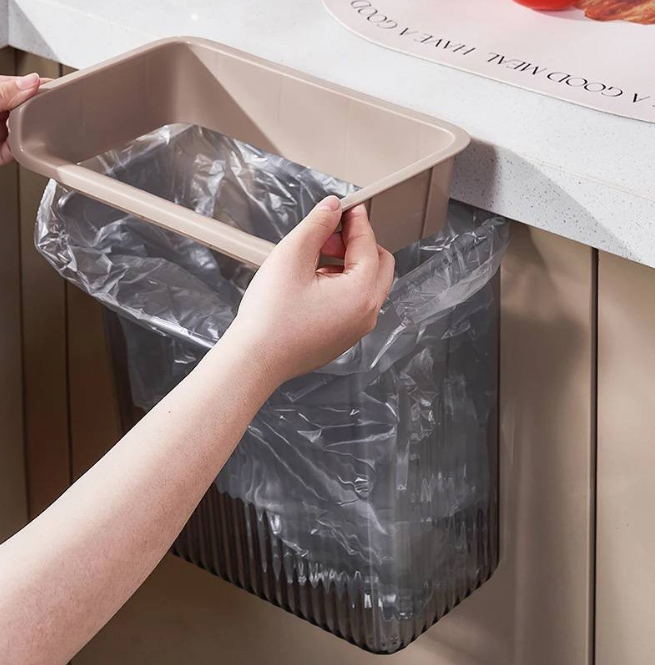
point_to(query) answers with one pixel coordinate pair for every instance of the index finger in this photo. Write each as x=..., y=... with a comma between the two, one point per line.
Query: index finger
x=359, y=240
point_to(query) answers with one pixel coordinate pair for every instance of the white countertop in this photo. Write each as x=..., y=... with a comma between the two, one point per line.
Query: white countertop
x=583, y=174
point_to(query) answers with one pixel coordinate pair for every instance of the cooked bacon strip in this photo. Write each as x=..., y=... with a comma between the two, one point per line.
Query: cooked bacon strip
x=636, y=11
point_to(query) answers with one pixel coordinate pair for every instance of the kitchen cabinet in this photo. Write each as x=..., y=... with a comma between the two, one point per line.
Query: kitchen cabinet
x=13, y=491
x=537, y=608
x=44, y=337
x=574, y=579
x=625, y=573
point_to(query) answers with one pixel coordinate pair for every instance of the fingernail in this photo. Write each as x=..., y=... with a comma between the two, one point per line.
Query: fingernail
x=27, y=82
x=329, y=203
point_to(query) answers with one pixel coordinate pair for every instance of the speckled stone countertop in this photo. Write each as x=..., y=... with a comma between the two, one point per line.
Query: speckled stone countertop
x=576, y=172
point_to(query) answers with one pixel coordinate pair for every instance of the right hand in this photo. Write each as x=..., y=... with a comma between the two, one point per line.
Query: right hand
x=297, y=316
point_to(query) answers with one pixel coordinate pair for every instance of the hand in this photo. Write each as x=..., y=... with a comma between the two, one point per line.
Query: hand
x=14, y=90
x=297, y=316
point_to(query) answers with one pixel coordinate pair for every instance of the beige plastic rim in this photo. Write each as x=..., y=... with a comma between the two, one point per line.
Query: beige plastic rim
x=359, y=139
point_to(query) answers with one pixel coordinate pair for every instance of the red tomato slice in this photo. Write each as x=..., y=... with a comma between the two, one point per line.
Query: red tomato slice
x=547, y=5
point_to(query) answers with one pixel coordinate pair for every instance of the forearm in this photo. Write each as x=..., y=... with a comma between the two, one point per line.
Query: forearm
x=70, y=570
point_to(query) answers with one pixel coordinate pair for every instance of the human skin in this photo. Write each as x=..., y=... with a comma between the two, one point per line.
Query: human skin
x=14, y=90
x=69, y=571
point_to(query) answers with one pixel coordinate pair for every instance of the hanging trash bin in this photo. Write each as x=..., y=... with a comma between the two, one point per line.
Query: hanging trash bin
x=363, y=496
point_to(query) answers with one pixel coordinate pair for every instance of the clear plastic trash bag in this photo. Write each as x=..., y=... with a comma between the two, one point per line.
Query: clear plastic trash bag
x=376, y=474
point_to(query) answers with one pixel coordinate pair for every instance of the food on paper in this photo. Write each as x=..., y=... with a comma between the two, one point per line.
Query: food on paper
x=636, y=11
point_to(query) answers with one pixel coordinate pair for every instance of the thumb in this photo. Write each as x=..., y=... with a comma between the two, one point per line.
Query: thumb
x=311, y=234
x=15, y=91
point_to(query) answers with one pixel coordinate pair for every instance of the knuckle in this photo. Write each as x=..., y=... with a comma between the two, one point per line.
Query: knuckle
x=8, y=89
x=7, y=96
x=359, y=236
x=322, y=218
x=371, y=322
x=370, y=306
x=387, y=256
x=367, y=309
x=320, y=224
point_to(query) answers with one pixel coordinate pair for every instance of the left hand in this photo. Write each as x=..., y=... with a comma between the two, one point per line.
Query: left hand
x=14, y=90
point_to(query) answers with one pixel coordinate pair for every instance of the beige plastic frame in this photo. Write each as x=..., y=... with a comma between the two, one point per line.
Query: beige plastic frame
x=401, y=159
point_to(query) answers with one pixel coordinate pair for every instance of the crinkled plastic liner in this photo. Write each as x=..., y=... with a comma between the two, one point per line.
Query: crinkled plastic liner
x=378, y=470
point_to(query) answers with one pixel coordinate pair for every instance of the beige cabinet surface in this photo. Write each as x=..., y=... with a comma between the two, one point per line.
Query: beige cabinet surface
x=626, y=464
x=13, y=491
x=45, y=381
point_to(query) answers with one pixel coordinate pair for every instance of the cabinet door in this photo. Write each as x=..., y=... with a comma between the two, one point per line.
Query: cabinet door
x=13, y=493
x=536, y=608
x=626, y=463
x=43, y=295
x=92, y=402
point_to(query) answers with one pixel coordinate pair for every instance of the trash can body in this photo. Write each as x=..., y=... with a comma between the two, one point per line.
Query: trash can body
x=363, y=496
x=369, y=509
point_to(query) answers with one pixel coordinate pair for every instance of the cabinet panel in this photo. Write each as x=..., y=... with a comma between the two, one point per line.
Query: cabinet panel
x=94, y=422
x=13, y=497
x=626, y=461
x=92, y=403
x=44, y=343
x=536, y=608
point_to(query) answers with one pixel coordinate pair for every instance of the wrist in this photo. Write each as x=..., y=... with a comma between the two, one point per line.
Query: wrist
x=249, y=356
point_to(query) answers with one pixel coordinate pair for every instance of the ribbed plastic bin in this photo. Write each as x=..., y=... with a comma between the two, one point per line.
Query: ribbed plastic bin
x=432, y=483
x=363, y=495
